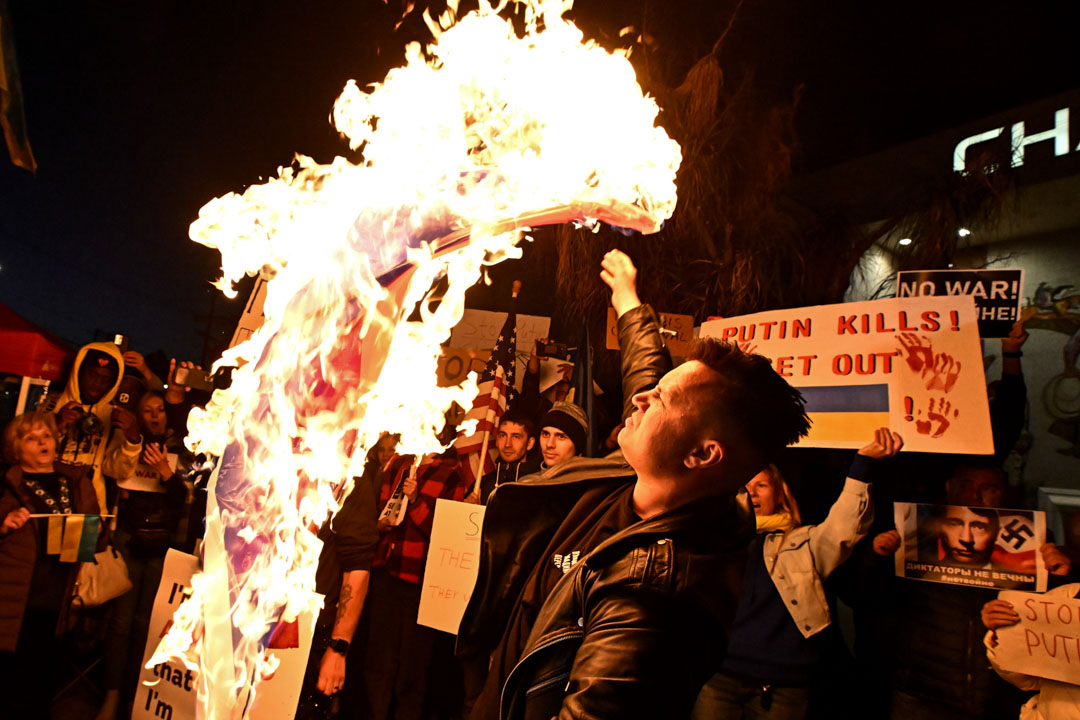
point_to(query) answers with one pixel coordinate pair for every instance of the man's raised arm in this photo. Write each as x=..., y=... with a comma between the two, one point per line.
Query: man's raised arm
x=644, y=357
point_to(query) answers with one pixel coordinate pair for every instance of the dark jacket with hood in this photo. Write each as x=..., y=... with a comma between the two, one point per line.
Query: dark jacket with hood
x=108, y=454
x=636, y=627
x=507, y=472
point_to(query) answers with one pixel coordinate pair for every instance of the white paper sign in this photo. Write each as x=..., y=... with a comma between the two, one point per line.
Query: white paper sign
x=452, y=563
x=169, y=690
x=480, y=328
x=1046, y=641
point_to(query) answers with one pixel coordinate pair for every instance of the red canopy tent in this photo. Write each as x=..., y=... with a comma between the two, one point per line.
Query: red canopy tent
x=27, y=350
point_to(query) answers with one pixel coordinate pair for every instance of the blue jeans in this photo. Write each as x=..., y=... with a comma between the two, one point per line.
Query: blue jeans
x=730, y=697
x=129, y=620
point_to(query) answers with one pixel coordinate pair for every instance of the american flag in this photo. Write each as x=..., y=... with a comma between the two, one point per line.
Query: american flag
x=495, y=388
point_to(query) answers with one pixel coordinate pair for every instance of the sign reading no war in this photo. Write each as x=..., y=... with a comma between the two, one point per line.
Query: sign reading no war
x=997, y=293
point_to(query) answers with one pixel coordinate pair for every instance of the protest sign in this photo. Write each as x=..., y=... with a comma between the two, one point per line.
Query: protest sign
x=677, y=331
x=914, y=365
x=979, y=547
x=168, y=690
x=997, y=293
x=480, y=328
x=452, y=563
x=455, y=364
x=277, y=696
x=1046, y=641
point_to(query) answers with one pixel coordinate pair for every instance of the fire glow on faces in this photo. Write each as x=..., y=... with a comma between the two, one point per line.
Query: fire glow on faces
x=512, y=441
x=658, y=434
x=762, y=496
x=36, y=450
x=152, y=413
x=481, y=135
x=556, y=446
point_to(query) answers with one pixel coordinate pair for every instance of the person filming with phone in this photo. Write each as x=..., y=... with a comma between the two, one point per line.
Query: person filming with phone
x=94, y=432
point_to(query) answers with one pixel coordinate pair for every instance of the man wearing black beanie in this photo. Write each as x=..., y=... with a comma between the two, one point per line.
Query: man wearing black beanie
x=563, y=432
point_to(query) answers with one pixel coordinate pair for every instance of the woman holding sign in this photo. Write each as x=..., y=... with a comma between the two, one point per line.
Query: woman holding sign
x=37, y=571
x=771, y=654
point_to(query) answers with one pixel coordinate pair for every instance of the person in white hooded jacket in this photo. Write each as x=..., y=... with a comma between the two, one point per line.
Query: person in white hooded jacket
x=93, y=431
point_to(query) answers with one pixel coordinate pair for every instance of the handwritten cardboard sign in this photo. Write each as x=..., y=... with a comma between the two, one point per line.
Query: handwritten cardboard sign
x=478, y=331
x=977, y=547
x=169, y=690
x=912, y=364
x=452, y=563
x=455, y=364
x=480, y=328
x=997, y=293
x=1046, y=641
x=677, y=331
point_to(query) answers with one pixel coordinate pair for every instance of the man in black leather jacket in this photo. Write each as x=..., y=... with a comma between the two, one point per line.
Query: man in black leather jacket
x=606, y=585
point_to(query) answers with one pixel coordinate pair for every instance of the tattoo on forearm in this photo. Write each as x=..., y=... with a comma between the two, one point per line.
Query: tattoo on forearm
x=343, y=602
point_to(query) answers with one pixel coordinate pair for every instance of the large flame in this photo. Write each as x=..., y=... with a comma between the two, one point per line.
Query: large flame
x=480, y=135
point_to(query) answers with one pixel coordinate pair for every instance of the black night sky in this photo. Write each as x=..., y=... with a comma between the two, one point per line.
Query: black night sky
x=141, y=112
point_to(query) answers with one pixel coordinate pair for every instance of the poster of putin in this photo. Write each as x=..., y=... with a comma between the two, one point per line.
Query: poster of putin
x=972, y=546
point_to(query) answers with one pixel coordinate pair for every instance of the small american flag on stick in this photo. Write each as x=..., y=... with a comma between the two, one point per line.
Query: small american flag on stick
x=495, y=387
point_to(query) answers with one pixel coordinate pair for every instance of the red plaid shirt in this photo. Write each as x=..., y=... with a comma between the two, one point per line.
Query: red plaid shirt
x=403, y=549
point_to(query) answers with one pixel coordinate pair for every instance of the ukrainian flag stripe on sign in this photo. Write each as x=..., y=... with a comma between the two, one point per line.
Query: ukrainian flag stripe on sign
x=846, y=398
x=841, y=413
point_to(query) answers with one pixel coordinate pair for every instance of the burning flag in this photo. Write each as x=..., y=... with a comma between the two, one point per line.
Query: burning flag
x=481, y=135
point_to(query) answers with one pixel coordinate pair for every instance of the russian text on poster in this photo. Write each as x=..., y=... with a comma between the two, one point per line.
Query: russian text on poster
x=971, y=546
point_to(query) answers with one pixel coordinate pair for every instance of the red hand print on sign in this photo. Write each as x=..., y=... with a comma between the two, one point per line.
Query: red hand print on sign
x=940, y=414
x=938, y=371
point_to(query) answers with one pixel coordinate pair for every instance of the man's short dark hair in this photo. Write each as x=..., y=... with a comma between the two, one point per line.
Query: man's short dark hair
x=766, y=413
x=991, y=515
x=516, y=416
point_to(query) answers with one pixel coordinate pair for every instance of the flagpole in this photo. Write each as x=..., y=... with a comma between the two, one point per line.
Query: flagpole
x=515, y=289
x=49, y=515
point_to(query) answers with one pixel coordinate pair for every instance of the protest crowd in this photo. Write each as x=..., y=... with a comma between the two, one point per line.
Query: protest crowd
x=676, y=561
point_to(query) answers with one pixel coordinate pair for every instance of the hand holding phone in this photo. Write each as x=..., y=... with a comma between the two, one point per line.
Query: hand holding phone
x=194, y=378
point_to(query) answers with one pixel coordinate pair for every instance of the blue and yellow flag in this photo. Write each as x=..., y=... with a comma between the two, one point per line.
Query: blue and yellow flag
x=79, y=538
